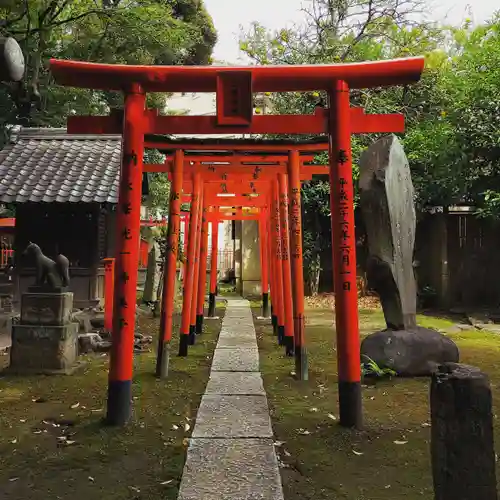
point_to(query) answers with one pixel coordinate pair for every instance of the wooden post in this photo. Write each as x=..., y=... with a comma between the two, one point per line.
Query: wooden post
x=264, y=264
x=344, y=257
x=295, y=216
x=128, y=220
x=170, y=271
x=189, y=274
x=202, y=278
x=280, y=314
x=462, y=447
x=213, y=268
x=271, y=256
x=185, y=246
x=287, y=270
x=109, y=285
x=196, y=277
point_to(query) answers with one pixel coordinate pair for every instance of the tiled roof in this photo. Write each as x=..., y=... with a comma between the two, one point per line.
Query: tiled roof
x=49, y=165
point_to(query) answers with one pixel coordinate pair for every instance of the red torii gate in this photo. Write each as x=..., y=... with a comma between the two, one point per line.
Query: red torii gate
x=234, y=87
x=287, y=331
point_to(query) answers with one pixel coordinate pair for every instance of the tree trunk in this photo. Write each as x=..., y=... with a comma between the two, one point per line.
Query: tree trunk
x=313, y=275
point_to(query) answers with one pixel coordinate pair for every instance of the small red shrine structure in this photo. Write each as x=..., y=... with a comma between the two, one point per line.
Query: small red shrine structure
x=234, y=88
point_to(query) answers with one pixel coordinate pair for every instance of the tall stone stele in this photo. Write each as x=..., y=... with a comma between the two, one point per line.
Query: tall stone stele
x=388, y=209
x=46, y=339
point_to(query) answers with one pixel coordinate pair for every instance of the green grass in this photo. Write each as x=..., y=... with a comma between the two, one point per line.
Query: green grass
x=102, y=463
x=335, y=463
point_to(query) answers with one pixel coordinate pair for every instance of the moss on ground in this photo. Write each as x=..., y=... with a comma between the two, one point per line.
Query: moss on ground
x=324, y=461
x=142, y=461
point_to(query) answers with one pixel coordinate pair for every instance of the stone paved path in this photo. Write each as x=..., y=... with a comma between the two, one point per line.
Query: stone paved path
x=231, y=455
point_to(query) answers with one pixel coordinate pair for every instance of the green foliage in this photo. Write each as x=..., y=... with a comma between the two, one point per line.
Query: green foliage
x=370, y=369
x=108, y=31
x=452, y=138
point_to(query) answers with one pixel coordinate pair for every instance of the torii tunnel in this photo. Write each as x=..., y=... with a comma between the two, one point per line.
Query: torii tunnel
x=234, y=87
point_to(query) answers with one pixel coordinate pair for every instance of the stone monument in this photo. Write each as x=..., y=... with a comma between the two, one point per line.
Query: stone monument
x=45, y=340
x=387, y=205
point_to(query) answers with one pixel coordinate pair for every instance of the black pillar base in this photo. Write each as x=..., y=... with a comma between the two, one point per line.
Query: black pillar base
x=183, y=344
x=211, y=305
x=163, y=359
x=265, y=305
x=274, y=322
x=217, y=290
x=288, y=341
x=192, y=334
x=119, y=408
x=350, y=412
x=199, y=324
x=301, y=365
x=281, y=335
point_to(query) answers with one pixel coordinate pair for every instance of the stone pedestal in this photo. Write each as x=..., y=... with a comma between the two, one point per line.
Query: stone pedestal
x=45, y=340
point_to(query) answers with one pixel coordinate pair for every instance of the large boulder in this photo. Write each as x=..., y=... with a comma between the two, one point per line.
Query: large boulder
x=410, y=353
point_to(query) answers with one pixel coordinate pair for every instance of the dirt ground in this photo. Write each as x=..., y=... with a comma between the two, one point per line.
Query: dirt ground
x=53, y=444
x=390, y=458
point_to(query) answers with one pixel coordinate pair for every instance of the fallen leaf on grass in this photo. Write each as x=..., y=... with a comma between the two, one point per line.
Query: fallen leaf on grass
x=175, y=427
x=304, y=432
x=314, y=410
x=133, y=488
x=22, y=420
x=331, y=417
x=357, y=452
x=287, y=453
x=279, y=443
x=12, y=479
x=186, y=427
x=39, y=400
x=14, y=441
x=426, y=424
x=400, y=442
x=91, y=479
x=73, y=406
x=164, y=483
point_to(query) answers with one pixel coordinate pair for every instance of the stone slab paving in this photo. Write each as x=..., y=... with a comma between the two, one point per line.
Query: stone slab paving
x=222, y=416
x=236, y=360
x=235, y=341
x=231, y=455
x=231, y=469
x=235, y=383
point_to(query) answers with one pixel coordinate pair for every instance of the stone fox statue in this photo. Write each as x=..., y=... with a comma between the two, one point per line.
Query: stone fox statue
x=51, y=272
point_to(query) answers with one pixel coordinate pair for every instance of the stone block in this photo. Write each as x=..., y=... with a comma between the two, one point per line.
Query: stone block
x=235, y=383
x=43, y=349
x=46, y=308
x=236, y=360
x=222, y=416
x=231, y=469
x=228, y=342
